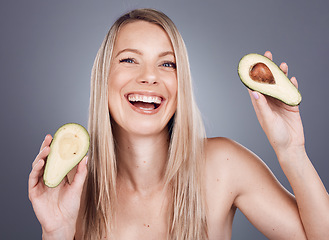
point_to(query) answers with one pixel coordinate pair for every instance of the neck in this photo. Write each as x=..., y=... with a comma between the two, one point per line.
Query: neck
x=141, y=160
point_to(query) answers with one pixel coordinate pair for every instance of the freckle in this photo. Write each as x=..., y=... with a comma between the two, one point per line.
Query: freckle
x=144, y=161
x=137, y=166
x=217, y=179
x=148, y=225
x=231, y=192
x=273, y=229
x=227, y=159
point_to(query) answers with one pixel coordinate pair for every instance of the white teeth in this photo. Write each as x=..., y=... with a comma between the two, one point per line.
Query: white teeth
x=143, y=98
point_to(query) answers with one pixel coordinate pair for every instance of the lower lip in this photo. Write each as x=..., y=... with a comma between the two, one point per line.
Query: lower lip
x=145, y=111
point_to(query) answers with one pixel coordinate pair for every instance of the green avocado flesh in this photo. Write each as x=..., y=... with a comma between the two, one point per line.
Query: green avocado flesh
x=70, y=144
x=260, y=74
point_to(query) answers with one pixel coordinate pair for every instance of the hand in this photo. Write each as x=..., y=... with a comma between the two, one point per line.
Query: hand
x=56, y=208
x=281, y=123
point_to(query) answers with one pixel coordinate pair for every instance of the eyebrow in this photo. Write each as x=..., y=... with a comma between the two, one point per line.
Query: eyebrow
x=166, y=53
x=140, y=53
x=129, y=50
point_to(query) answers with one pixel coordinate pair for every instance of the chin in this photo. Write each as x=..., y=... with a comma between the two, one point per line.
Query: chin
x=146, y=128
x=141, y=126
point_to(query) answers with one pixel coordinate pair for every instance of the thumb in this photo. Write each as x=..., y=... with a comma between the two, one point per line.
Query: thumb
x=80, y=175
x=260, y=105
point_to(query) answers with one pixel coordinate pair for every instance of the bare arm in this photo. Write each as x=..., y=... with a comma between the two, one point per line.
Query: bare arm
x=256, y=192
x=311, y=195
x=283, y=127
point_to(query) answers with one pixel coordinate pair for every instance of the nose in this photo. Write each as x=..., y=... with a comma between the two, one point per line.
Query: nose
x=148, y=76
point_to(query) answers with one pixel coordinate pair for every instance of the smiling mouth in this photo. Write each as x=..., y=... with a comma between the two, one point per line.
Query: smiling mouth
x=144, y=102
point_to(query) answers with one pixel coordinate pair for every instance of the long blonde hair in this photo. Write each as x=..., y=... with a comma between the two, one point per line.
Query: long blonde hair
x=186, y=152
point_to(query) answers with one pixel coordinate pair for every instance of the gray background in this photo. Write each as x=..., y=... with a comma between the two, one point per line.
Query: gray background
x=48, y=48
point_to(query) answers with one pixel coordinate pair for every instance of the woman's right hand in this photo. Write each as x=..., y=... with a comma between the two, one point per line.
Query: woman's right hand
x=56, y=208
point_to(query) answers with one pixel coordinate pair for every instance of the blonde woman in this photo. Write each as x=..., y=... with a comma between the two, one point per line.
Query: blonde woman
x=152, y=173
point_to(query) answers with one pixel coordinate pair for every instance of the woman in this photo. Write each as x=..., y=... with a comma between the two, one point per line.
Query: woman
x=151, y=170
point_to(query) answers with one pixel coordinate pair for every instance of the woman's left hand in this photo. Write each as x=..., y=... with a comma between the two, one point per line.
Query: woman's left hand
x=281, y=123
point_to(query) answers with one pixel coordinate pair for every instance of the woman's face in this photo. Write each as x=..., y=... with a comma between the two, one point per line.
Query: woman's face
x=142, y=80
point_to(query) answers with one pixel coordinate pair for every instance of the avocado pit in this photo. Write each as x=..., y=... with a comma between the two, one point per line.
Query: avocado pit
x=259, y=72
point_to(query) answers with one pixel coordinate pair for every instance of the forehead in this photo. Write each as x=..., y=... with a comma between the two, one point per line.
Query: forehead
x=141, y=33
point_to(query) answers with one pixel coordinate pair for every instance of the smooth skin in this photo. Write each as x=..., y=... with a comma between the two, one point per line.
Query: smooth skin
x=234, y=177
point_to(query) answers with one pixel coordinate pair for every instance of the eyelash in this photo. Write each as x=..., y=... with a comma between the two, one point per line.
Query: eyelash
x=171, y=64
x=127, y=60
x=165, y=64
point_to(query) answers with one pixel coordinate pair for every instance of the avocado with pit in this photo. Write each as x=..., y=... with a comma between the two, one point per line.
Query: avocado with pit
x=68, y=147
x=261, y=74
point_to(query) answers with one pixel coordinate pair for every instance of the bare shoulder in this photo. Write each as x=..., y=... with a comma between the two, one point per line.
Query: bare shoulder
x=222, y=169
x=221, y=147
x=234, y=163
x=234, y=175
x=227, y=163
x=221, y=156
x=225, y=152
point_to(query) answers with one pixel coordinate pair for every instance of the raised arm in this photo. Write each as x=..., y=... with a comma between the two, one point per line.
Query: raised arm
x=283, y=127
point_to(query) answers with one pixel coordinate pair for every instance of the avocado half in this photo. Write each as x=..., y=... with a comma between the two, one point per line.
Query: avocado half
x=68, y=147
x=260, y=74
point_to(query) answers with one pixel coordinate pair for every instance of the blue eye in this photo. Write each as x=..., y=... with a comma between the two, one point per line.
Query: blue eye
x=127, y=60
x=169, y=64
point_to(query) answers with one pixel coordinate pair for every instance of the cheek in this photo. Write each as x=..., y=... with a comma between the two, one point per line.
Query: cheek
x=120, y=76
x=171, y=84
x=173, y=88
x=116, y=82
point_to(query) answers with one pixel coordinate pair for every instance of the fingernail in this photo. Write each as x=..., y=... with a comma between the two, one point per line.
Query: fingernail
x=86, y=160
x=255, y=94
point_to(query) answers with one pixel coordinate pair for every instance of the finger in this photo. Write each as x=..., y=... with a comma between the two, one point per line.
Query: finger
x=42, y=155
x=254, y=96
x=46, y=141
x=268, y=54
x=44, y=149
x=80, y=175
x=260, y=105
x=294, y=81
x=35, y=174
x=63, y=182
x=284, y=68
